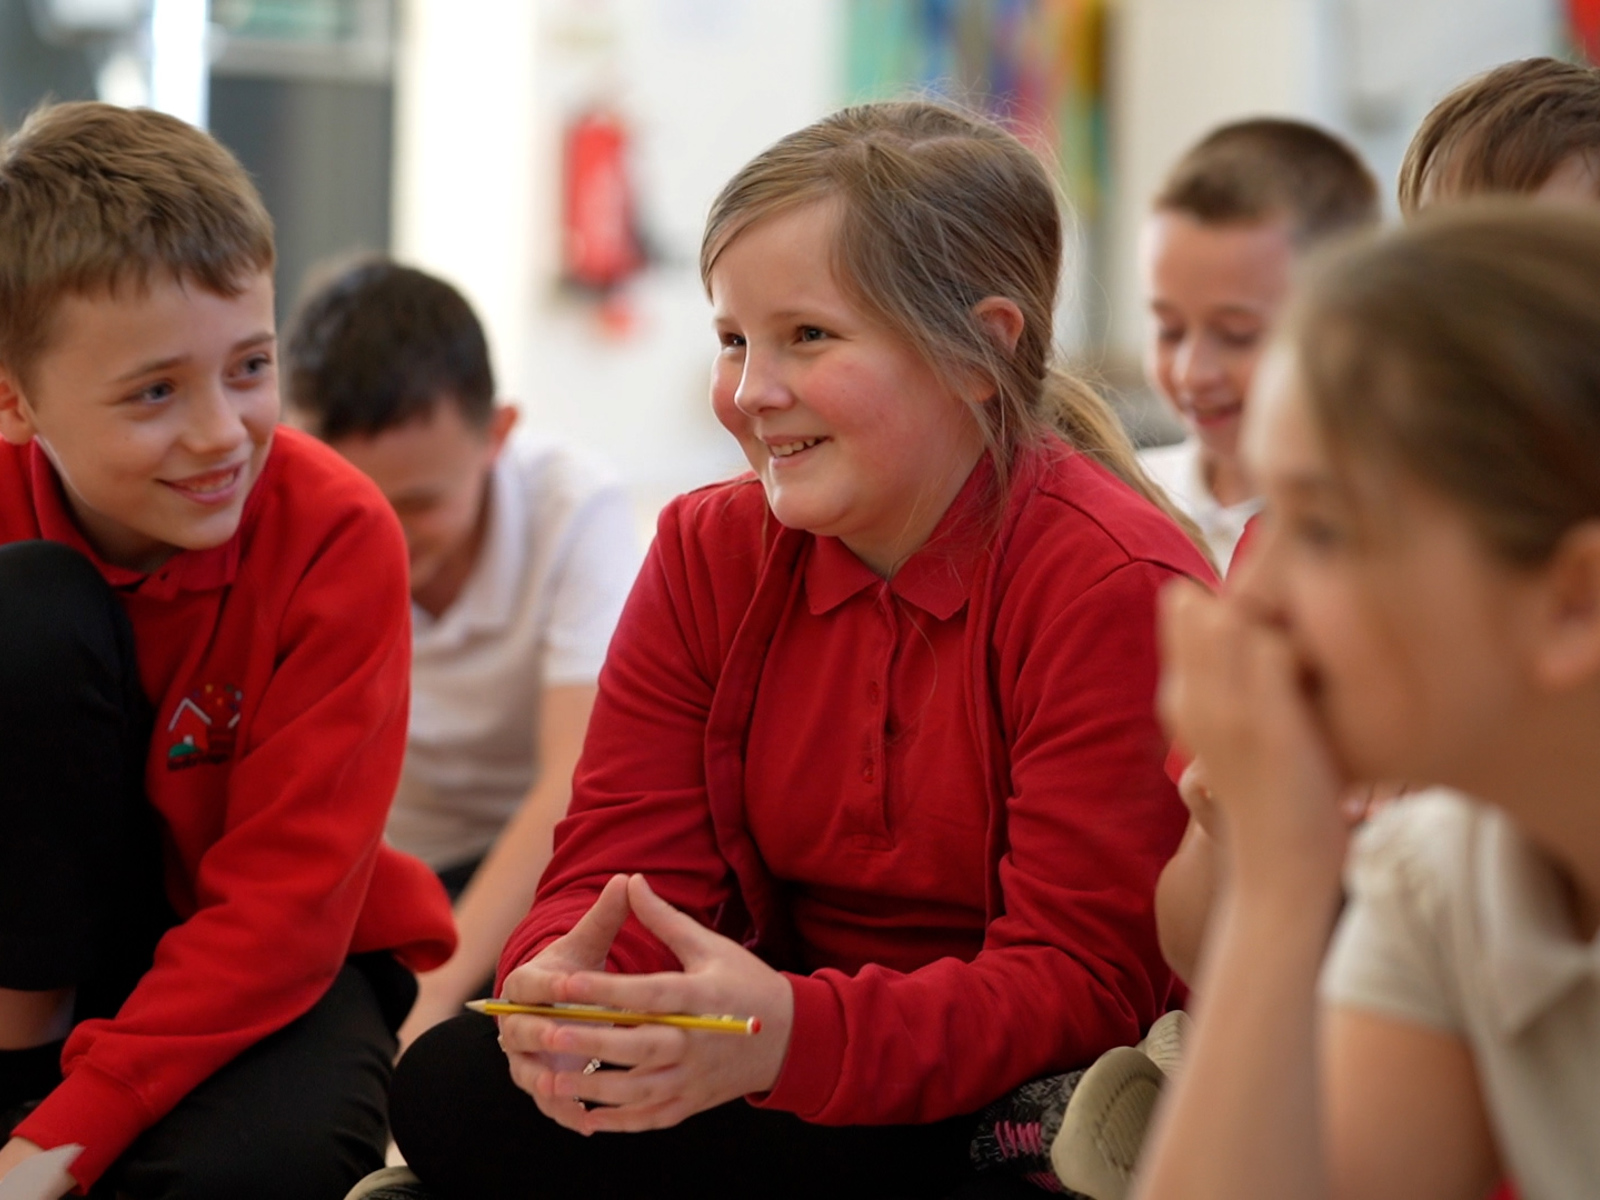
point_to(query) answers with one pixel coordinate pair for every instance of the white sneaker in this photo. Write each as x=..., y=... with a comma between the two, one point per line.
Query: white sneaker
x=1166, y=1040
x=391, y=1183
x=1103, y=1128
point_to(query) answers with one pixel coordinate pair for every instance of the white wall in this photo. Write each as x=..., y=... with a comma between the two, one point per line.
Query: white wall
x=705, y=84
x=1369, y=69
x=486, y=87
x=464, y=182
x=1179, y=68
x=1399, y=59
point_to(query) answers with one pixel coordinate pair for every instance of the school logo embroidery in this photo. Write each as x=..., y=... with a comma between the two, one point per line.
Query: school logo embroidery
x=204, y=726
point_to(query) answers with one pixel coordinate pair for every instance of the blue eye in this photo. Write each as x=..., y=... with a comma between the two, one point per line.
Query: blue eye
x=810, y=333
x=154, y=394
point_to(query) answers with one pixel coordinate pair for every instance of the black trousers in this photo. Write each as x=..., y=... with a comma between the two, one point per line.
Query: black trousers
x=303, y=1112
x=471, y=1134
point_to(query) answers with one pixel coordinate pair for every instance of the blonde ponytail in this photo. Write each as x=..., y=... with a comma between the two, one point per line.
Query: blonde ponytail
x=1087, y=422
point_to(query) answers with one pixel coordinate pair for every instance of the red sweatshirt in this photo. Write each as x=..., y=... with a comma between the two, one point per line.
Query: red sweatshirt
x=1055, y=672
x=278, y=665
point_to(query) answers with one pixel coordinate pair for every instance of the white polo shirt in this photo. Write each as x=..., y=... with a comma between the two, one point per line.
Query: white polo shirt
x=558, y=558
x=1458, y=923
x=1177, y=469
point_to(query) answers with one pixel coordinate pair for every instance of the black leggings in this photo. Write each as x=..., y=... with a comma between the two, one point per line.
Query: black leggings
x=301, y=1113
x=80, y=886
x=471, y=1134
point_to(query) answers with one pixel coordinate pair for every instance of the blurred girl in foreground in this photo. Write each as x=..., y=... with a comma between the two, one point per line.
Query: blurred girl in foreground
x=1423, y=604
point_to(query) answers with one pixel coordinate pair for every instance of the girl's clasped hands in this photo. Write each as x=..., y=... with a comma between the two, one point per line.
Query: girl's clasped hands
x=654, y=1075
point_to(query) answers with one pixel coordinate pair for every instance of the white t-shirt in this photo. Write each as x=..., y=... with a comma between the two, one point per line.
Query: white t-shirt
x=558, y=558
x=1458, y=923
x=1177, y=469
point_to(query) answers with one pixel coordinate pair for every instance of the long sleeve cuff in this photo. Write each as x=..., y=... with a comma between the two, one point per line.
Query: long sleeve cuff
x=94, y=1111
x=810, y=1073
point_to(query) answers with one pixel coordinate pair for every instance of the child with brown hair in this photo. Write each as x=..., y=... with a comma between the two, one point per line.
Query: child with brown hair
x=874, y=757
x=522, y=551
x=1423, y=603
x=1530, y=126
x=205, y=947
x=1223, y=235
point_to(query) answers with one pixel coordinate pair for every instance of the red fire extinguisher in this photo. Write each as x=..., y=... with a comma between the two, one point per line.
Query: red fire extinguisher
x=1585, y=25
x=600, y=244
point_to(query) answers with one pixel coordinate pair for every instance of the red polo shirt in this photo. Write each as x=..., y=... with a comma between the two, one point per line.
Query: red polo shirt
x=892, y=871
x=937, y=802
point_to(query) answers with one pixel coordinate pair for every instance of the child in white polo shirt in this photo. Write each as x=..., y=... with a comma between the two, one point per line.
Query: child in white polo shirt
x=1236, y=213
x=522, y=553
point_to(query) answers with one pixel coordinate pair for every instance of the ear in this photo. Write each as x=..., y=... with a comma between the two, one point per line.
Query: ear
x=501, y=422
x=16, y=415
x=1566, y=649
x=1001, y=319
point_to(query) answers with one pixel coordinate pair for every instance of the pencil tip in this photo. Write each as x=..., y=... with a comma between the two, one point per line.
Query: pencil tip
x=477, y=1006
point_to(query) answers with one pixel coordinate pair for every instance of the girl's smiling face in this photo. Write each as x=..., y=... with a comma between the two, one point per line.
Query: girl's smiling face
x=1404, y=623
x=852, y=434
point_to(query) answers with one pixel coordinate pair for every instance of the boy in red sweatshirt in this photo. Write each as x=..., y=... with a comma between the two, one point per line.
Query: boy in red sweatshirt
x=204, y=656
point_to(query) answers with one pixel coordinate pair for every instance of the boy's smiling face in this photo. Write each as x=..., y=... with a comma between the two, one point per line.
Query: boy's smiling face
x=1214, y=292
x=434, y=471
x=157, y=406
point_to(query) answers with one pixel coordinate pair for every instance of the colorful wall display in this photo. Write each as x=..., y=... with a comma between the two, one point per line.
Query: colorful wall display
x=1039, y=65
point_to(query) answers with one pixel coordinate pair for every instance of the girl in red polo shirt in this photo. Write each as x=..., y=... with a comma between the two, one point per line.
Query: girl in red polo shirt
x=874, y=758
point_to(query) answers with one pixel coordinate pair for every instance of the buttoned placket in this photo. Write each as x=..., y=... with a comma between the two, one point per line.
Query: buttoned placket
x=873, y=809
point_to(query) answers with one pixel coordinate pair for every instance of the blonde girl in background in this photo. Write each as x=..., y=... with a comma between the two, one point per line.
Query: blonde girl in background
x=874, y=757
x=1423, y=604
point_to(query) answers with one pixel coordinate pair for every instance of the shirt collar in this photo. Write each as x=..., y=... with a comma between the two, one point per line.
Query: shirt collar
x=1206, y=507
x=1533, y=954
x=937, y=578
x=185, y=571
x=489, y=600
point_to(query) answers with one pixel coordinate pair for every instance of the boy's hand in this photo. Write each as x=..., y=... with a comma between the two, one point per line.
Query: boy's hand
x=669, y=1074
x=433, y=1005
x=19, y=1150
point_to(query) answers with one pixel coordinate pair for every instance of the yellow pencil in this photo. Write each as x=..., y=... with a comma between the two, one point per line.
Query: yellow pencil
x=616, y=1016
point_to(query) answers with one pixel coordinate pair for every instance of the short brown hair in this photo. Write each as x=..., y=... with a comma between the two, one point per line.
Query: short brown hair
x=1268, y=167
x=95, y=197
x=941, y=208
x=1506, y=130
x=381, y=345
x=1464, y=349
